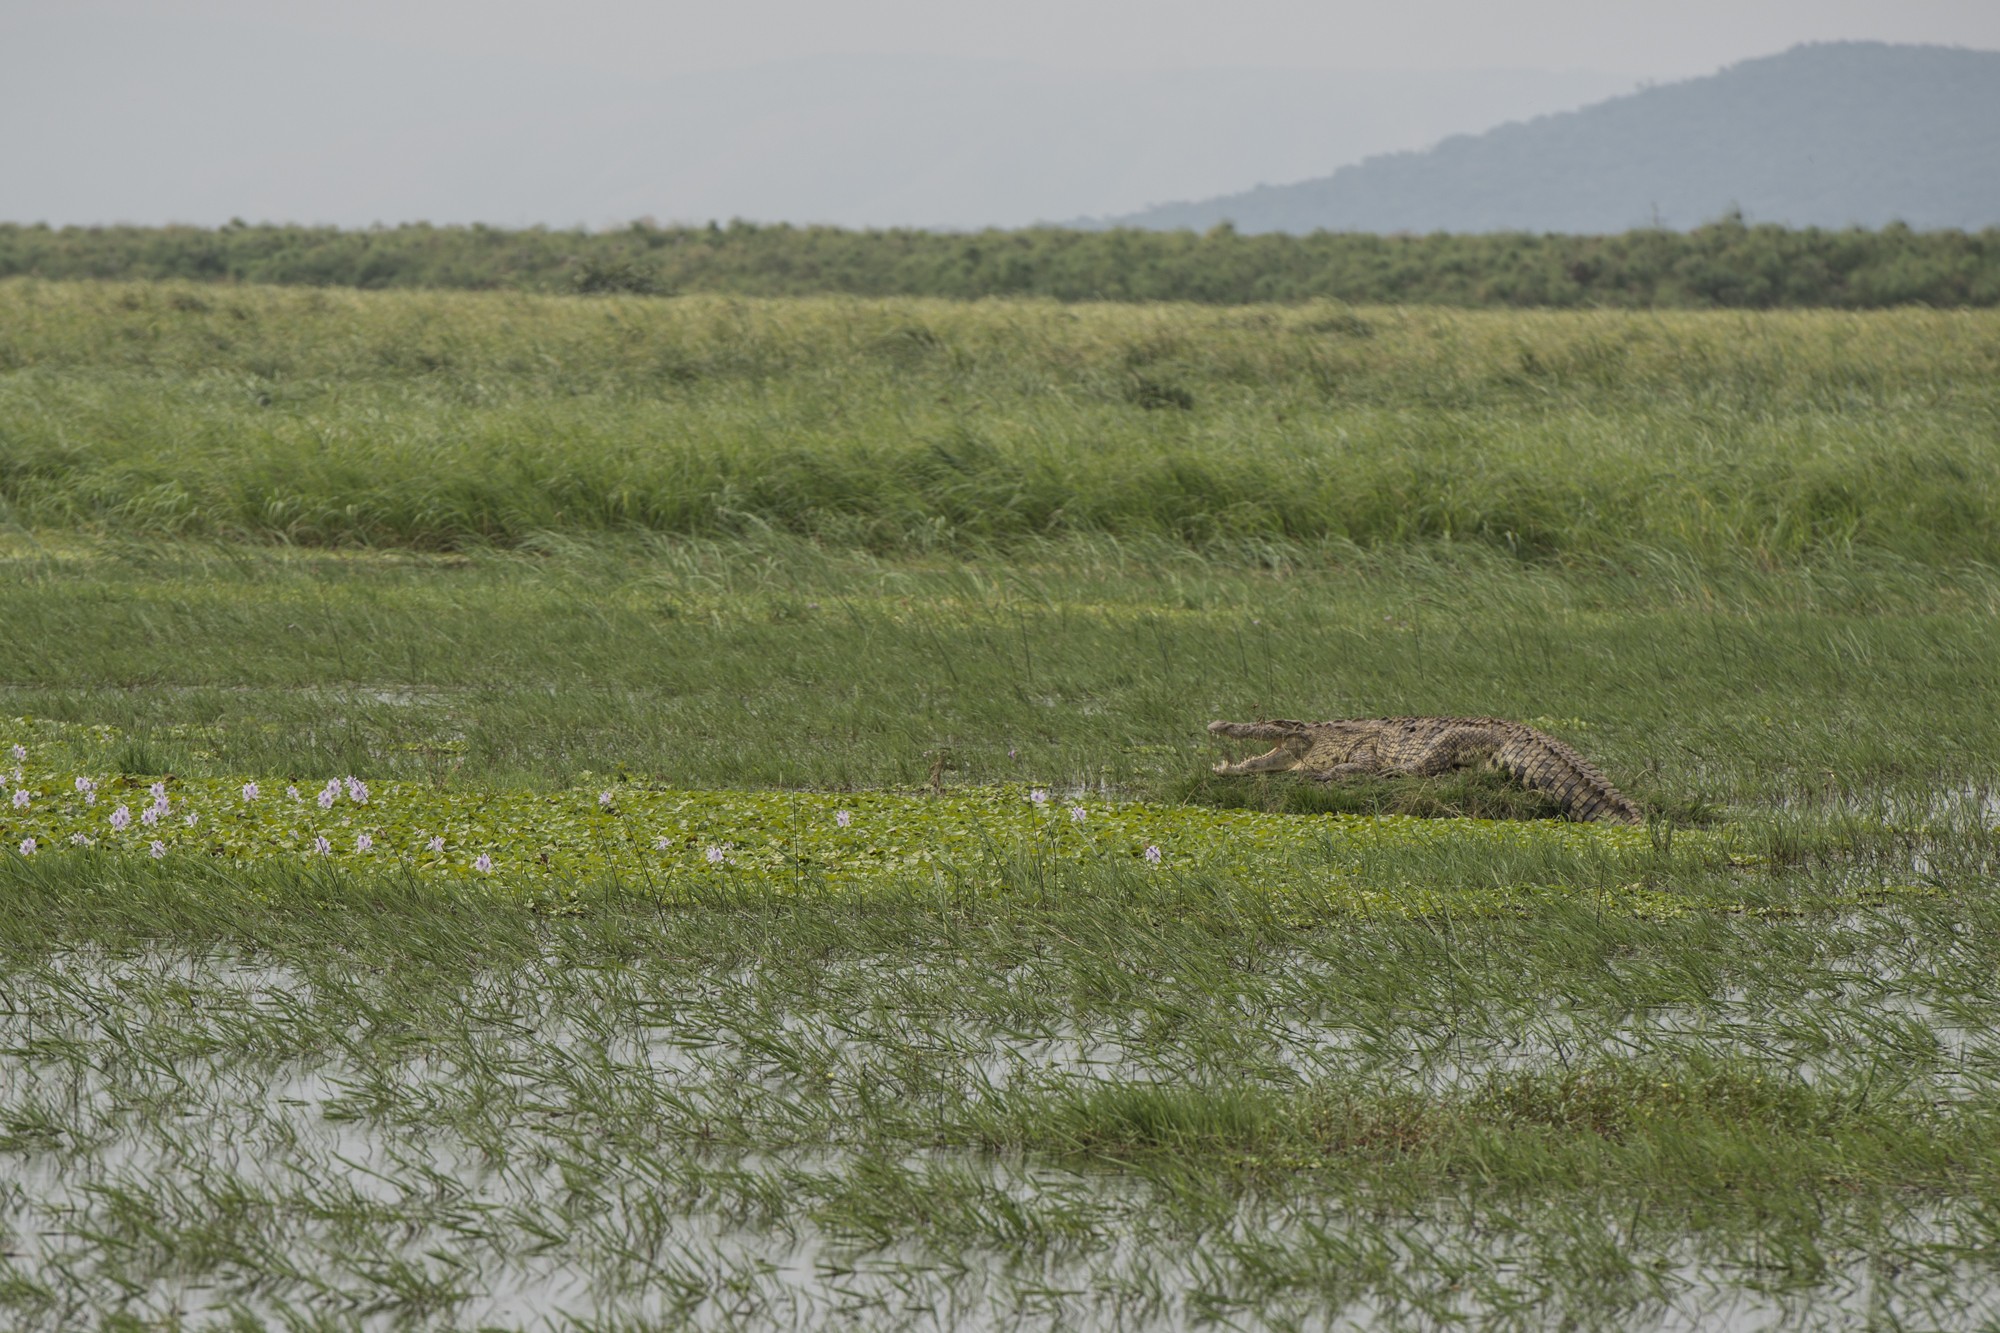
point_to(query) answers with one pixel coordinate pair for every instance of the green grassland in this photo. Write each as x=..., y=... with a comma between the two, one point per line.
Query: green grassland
x=725, y=649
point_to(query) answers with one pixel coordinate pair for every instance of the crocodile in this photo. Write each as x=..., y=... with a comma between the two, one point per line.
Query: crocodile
x=1428, y=746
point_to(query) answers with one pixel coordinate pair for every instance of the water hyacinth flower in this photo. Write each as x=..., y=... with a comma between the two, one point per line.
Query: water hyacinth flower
x=27, y=846
x=82, y=840
x=21, y=799
x=20, y=753
x=1152, y=855
x=150, y=815
x=292, y=793
x=604, y=799
x=85, y=785
x=249, y=791
x=329, y=794
x=660, y=844
x=193, y=819
x=363, y=842
x=321, y=847
x=357, y=790
x=157, y=848
x=1038, y=796
x=436, y=844
x=482, y=863
x=842, y=818
x=1077, y=814
x=714, y=855
x=159, y=792
x=120, y=817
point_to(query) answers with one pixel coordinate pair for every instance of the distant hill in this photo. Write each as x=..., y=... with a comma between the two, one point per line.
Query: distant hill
x=1828, y=135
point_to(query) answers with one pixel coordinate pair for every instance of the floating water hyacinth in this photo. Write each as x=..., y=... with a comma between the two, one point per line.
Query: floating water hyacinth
x=192, y=819
x=150, y=815
x=157, y=848
x=329, y=794
x=20, y=753
x=85, y=785
x=159, y=793
x=27, y=846
x=536, y=842
x=292, y=793
x=357, y=790
x=21, y=799
x=604, y=799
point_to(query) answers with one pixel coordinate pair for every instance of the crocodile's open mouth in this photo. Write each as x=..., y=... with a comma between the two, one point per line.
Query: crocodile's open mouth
x=1291, y=746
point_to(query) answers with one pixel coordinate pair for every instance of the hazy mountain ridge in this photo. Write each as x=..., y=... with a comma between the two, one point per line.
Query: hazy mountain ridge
x=1830, y=135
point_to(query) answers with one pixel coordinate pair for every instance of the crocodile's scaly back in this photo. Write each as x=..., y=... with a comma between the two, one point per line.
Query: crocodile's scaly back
x=1427, y=746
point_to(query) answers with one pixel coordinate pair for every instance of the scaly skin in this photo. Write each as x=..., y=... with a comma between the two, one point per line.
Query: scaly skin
x=1428, y=746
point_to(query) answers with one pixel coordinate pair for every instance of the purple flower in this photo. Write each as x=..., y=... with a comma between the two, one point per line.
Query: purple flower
x=327, y=795
x=1012, y=753
x=150, y=815
x=27, y=846
x=604, y=799
x=90, y=798
x=249, y=791
x=363, y=842
x=85, y=784
x=482, y=863
x=82, y=840
x=1077, y=814
x=436, y=844
x=660, y=844
x=321, y=847
x=842, y=818
x=157, y=848
x=1038, y=796
x=159, y=791
x=714, y=855
x=193, y=819
x=21, y=799
x=120, y=817
x=1152, y=855
x=292, y=792
x=20, y=752
x=357, y=790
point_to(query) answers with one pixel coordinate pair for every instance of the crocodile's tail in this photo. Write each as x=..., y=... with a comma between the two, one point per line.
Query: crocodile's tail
x=1538, y=760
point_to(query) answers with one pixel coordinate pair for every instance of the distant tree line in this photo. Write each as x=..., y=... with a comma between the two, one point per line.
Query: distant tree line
x=1724, y=264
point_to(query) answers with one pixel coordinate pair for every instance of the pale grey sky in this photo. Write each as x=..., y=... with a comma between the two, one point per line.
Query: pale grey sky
x=859, y=112
x=1661, y=38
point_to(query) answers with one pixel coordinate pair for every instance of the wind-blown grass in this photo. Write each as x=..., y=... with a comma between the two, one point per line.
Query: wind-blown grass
x=446, y=420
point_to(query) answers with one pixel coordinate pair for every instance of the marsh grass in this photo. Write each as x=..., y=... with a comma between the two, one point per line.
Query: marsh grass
x=442, y=421
x=1340, y=1054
